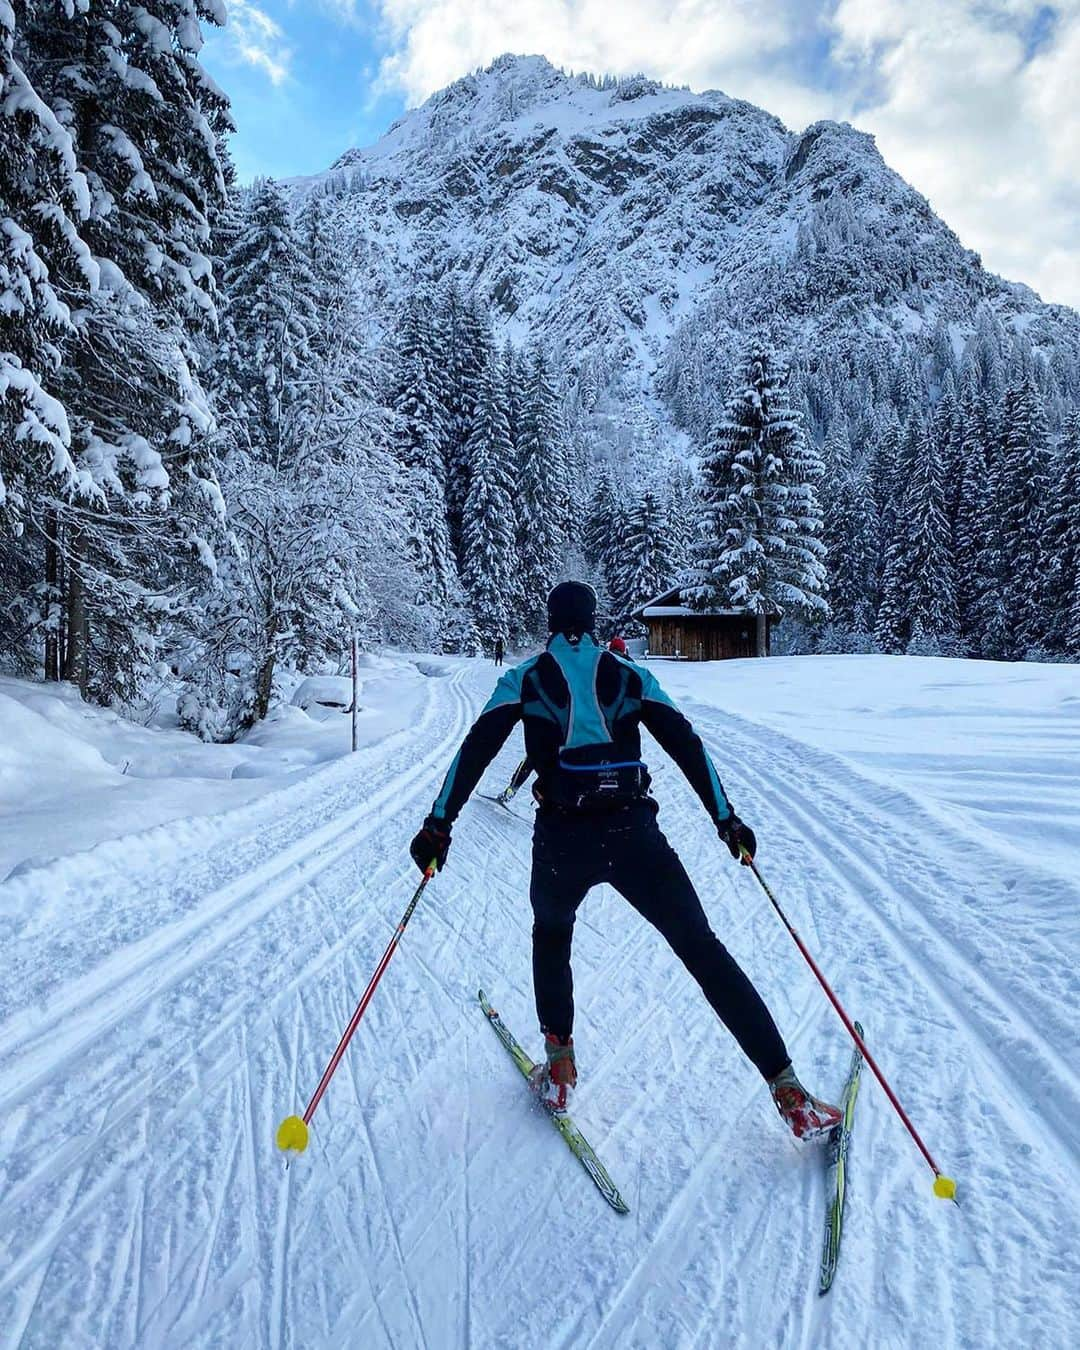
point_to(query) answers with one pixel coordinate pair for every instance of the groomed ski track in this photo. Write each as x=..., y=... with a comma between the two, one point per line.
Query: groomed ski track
x=175, y=994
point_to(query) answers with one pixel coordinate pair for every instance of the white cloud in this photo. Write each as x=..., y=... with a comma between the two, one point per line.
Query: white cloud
x=990, y=136
x=959, y=106
x=255, y=39
x=703, y=43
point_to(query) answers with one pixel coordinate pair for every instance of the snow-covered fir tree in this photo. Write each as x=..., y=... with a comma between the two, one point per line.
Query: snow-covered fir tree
x=145, y=123
x=456, y=375
x=1021, y=500
x=418, y=448
x=918, y=608
x=849, y=537
x=643, y=564
x=44, y=200
x=301, y=471
x=975, y=532
x=540, y=497
x=1062, y=542
x=759, y=545
x=488, y=540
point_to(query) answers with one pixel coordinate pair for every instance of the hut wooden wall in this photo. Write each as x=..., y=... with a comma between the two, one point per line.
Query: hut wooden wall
x=709, y=638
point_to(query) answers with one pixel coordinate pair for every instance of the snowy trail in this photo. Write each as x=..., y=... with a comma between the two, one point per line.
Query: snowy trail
x=152, y=1039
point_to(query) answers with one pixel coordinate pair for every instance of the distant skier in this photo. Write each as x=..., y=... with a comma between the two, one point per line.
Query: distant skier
x=499, y=651
x=582, y=710
x=619, y=647
x=518, y=780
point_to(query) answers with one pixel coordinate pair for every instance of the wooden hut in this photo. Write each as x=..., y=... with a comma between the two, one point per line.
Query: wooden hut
x=677, y=631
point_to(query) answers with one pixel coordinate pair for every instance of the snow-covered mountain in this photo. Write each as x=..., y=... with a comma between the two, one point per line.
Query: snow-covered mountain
x=609, y=216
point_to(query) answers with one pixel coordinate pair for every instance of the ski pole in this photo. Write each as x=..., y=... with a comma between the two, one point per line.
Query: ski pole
x=944, y=1187
x=293, y=1130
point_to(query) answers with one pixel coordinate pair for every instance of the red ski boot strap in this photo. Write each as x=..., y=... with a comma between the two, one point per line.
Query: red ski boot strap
x=560, y=1060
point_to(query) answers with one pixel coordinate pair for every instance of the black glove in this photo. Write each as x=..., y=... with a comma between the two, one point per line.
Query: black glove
x=433, y=842
x=738, y=836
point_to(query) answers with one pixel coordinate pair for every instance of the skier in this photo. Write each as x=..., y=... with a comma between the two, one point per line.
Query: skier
x=582, y=709
x=499, y=650
x=618, y=646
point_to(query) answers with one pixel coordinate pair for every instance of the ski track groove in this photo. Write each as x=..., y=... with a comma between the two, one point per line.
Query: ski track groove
x=395, y=1235
x=43, y=1074
x=930, y=976
x=676, y=1276
x=122, y=986
x=85, y=1197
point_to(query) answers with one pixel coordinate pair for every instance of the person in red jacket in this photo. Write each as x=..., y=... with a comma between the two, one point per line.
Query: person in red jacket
x=582, y=709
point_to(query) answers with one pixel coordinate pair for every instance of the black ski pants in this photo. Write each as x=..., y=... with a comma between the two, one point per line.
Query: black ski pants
x=627, y=849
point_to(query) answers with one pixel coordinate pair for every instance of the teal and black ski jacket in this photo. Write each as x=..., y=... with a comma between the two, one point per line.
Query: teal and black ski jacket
x=582, y=709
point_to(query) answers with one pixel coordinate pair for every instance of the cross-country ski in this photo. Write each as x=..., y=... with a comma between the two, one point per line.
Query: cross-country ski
x=836, y=1173
x=575, y=1140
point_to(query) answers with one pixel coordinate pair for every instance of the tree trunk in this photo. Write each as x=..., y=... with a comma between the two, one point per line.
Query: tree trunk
x=762, y=632
x=264, y=684
x=52, y=597
x=76, y=658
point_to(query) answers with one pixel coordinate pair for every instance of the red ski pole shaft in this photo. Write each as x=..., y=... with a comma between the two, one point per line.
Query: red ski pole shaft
x=292, y=1133
x=949, y=1186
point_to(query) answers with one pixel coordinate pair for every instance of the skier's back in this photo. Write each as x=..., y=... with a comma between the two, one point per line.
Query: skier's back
x=582, y=709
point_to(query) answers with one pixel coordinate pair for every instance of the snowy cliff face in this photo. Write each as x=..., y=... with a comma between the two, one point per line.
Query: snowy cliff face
x=607, y=218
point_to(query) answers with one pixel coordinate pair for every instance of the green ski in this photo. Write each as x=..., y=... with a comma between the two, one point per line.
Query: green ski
x=836, y=1173
x=578, y=1145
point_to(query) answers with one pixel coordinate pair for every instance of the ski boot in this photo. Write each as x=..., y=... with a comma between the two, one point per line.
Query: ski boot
x=807, y=1117
x=554, y=1080
x=505, y=795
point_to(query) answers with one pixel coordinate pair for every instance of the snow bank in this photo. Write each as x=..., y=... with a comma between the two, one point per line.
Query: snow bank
x=72, y=775
x=991, y=747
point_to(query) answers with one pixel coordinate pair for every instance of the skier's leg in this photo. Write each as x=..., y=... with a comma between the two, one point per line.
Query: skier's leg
x=521, y=775
x=562, y=873
x=647, y=871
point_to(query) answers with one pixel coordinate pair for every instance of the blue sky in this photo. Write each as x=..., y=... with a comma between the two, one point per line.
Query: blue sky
x=973, y=101
x=304, y=95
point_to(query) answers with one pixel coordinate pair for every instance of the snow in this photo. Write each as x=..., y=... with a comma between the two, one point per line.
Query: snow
x=166, y=998
x=73, y=776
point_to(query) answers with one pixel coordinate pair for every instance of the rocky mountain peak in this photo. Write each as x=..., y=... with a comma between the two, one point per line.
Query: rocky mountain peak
x=618, y=217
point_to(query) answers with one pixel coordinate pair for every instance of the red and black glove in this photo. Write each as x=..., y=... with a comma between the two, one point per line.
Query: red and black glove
x=738, y=837
x=433, y=842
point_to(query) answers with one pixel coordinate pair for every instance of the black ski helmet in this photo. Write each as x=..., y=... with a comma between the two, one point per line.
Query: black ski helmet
x=571, y=608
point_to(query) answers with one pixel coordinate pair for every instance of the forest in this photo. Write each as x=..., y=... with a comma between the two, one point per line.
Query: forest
x=216, y=464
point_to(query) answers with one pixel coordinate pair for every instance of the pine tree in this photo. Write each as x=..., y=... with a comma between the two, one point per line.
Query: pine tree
x=979, y=608
x=303, y=467
x=1063, y=544
x=146, y=127
x=849, y=537
x=681, y=511
x=488, y=542
x=540, y=498
x=947, y=435
x=420, y=427
x=918, y=609
x=1021, y=488
x=468, y=351
x=643, y=563
x=43, y=201
x=605, y=527
x=932, y=609
x=760, y=546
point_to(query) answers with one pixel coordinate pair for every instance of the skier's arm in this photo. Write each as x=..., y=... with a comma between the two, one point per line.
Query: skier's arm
x=683, y=744
x=479, y=748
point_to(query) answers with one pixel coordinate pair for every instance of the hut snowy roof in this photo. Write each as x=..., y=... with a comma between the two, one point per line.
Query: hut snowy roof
x=669, y=605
